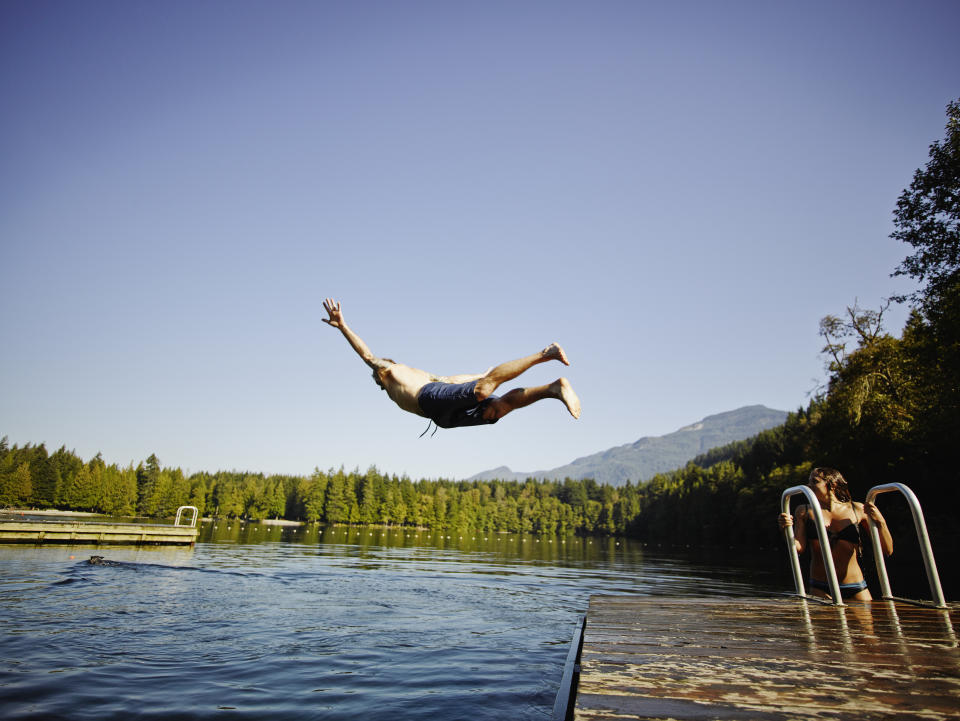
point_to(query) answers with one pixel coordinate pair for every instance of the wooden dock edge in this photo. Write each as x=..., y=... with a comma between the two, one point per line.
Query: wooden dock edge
x=567, y=693
x=77, y=532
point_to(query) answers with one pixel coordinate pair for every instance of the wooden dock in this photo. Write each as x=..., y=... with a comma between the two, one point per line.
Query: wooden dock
x=98, y=532
x=777, y=658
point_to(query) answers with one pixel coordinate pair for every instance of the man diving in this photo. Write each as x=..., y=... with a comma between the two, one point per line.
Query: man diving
x=462, y=400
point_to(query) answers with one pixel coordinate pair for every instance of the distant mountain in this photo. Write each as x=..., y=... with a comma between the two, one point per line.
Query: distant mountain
x=650, y=455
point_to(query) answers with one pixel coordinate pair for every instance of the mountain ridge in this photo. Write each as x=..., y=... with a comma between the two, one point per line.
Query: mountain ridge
x=642, y=459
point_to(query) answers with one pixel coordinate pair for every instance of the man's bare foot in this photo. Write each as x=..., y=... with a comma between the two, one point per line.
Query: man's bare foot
x=555, y=352
x=565, y=393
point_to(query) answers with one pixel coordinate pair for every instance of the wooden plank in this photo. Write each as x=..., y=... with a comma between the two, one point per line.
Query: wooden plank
x=722, y=658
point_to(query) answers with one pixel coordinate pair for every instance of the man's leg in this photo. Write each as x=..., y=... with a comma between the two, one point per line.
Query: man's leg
x=504, y=372
x=520, y=397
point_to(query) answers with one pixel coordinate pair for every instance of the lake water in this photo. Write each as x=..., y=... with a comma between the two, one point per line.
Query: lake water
x=264, y=622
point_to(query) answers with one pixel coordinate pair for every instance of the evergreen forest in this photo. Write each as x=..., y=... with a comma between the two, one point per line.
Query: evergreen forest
x=889, y=410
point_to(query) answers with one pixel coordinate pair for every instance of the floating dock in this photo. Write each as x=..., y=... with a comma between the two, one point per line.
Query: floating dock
x=98, y=532
x=735, y=658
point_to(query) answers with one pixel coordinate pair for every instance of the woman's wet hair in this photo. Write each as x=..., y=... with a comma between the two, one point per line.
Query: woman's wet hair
x=835, y=482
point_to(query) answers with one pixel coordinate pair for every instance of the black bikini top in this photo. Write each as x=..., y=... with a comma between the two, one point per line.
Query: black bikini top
x=849, y=533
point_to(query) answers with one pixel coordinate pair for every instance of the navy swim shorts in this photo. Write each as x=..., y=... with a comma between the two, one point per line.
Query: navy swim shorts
x=453, y=405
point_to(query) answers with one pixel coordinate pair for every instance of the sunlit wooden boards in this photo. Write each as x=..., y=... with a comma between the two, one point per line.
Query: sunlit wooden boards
x=735, y=658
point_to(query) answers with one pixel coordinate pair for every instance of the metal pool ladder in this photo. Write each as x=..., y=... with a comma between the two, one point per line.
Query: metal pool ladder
x=926, y=550
x=193, y=521
x=933, y=578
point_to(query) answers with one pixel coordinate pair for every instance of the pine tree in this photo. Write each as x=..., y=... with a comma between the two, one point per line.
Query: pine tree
x=314, y=496
x=338, y=501
x=16, y=487
x=148, y=482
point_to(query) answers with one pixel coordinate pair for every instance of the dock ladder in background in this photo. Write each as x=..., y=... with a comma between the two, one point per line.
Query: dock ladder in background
x=193, y=521
x=926, y=550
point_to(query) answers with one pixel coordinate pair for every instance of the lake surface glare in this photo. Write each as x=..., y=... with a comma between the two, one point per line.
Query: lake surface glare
x=263, y=622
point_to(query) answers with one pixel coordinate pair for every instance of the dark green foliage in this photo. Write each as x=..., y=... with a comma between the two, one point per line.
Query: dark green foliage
x=928, y=219
x=45, y=473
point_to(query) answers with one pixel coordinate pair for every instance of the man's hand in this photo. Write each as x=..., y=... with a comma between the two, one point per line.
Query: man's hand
x=336, y=320
x=333, y=310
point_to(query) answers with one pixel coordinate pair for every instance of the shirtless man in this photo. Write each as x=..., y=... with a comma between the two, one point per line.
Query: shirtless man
x=463, y=400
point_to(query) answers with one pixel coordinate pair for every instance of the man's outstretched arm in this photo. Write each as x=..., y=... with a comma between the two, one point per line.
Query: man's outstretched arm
x=336, y=320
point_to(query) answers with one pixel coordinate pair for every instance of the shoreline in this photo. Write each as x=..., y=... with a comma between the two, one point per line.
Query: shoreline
x=48, y=512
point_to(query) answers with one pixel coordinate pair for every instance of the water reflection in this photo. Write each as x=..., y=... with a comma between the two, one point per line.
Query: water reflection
x=629, y=565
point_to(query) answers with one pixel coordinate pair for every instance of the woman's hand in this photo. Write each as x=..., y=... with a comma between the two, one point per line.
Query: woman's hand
x=886, y=540
x=873, y=513
x=785, y=520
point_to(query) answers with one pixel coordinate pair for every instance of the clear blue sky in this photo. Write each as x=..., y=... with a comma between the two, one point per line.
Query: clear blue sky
x=675, y=191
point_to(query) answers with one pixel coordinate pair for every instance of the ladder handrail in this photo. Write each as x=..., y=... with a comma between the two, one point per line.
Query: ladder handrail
x=825, y=549
x=180, y=511
x=926, y=550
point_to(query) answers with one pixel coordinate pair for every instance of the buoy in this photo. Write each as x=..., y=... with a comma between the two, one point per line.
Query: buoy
x=71, y=557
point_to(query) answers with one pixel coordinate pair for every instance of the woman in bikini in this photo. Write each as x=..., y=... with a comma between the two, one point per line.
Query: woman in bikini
x=845, y=522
